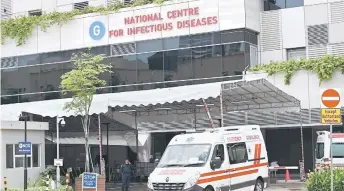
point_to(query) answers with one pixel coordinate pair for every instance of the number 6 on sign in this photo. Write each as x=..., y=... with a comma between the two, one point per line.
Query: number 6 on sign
x=330, y=98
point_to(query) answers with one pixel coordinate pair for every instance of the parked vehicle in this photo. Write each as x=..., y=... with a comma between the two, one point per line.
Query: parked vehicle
x=227, y=158
x=323, y=149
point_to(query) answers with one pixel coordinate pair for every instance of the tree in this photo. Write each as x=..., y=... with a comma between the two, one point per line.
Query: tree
x=82, y=81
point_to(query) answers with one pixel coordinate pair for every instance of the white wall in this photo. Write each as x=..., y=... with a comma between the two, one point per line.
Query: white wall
x=15, y=176
x=11, y=132
x=230, y=14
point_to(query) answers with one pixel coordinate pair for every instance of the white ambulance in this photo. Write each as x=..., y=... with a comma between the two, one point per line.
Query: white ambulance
x=323, y=149
x=228, y=158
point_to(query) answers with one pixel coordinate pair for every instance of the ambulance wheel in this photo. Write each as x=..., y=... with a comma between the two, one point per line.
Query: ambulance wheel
x=209, y=188
x=259, y=185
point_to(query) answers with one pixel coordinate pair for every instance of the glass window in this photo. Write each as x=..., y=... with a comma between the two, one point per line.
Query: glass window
x=28, y=79
x=176, y=42
x=232, y=36
x=192, y=155
x=177, y=66
x=320, y=150
x=219, y=151
x=9, y=62
x=281, y=4
x=204, y=39
x=207, y=62
x=29, y=60
x=296, y=53
x=338, y=150
x=251, y=37
x=294, y=3
x=101, y=50
x=36, y=153
x=123, y=73
x=123, y=49
x=9, y=99
x=9, y=156
x=52, y=57
x=149, y=46
x=19, y=161
x=50, y=79
x=106, y=76
x=150, y=69
x=9, y=81
x=29, y=98
x=233, y=59
x=16, y=160
x=237, y=153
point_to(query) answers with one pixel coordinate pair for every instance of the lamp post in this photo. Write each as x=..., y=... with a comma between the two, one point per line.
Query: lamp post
x=59, y=121
x=24, y=117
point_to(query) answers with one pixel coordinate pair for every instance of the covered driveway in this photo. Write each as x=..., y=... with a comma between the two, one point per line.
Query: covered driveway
x=175, y=109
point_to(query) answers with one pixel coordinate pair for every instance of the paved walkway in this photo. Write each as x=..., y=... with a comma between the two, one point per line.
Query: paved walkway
x=294, y=186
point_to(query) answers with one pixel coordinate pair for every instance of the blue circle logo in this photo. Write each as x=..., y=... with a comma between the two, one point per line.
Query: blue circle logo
x=97, y=30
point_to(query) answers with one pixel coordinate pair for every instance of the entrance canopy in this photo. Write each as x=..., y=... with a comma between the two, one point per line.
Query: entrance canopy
x=237, y=95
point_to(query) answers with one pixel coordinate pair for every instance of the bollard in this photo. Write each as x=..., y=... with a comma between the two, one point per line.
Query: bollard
x=5, y=183
x=47, y=183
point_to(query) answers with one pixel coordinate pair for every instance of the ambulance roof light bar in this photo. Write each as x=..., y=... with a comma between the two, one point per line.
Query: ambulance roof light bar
x=235, y=128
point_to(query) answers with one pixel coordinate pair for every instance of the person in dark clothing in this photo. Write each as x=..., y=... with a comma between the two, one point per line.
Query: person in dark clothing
x=126, y=171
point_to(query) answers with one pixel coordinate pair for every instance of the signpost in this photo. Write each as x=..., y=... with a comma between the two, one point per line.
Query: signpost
x=331, y=114
x=24, y=148
x=89, y=180
x=58, y=162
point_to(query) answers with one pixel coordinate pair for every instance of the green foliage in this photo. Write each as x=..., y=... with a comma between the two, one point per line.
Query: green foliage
x=83, y=81
x=324, y=67
x=42, y=188
x=20, y=28
x=320, y=180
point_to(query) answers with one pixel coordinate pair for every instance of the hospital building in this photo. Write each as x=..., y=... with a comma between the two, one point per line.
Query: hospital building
x=164, y=59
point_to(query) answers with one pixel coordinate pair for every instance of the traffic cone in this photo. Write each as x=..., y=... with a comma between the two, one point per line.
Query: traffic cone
x=287, y=175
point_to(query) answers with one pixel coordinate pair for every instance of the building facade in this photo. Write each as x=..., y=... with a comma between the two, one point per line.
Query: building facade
x=183, y=43
x=147, y=51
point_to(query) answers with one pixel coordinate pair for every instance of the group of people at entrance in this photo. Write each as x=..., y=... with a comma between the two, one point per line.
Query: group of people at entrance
x=126, y=172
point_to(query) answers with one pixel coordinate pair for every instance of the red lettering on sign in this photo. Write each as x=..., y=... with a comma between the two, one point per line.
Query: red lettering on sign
x=172, y=172
x=252, y=137
x=234, y=139
x=191, y=21
x=183, y=13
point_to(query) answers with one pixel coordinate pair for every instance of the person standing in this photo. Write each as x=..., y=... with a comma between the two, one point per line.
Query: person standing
x=126, y=171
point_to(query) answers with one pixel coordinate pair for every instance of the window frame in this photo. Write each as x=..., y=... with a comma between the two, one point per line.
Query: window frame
x=15, y=156
x=232, y=162
x=215, y=152
x=317, y=154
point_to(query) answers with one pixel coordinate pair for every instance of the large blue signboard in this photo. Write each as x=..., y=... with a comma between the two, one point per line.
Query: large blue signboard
x=89, y=180
x=24, y=148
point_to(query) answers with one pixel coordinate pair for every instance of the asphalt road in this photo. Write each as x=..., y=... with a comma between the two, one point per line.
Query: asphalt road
x=295, y=186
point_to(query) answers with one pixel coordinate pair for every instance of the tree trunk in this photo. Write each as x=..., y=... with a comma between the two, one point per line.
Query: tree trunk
x=87, y=161
x=87, y=153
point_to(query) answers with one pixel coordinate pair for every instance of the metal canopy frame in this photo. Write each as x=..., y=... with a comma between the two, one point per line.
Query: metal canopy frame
x=241, y=95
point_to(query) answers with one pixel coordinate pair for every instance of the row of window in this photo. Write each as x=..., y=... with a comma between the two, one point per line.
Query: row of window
x=172, y=43
x=16, y=160
x=174, y=65
x=237, y=152
x=282, y=4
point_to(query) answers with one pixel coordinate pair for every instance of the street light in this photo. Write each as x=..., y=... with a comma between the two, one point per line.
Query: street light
x=25, y=117
x=59, y=121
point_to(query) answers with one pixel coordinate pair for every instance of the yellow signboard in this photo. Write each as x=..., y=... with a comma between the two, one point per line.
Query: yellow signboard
x=331, y=116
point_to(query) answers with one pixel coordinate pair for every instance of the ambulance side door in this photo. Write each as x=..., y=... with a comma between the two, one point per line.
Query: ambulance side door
x=240, y=175
x=219, y=151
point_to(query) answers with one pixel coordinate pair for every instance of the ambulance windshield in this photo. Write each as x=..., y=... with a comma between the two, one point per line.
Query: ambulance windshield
x=185, y=155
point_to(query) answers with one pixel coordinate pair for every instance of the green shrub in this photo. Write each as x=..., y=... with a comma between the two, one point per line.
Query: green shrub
x=320, y=180
x=41, y=188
